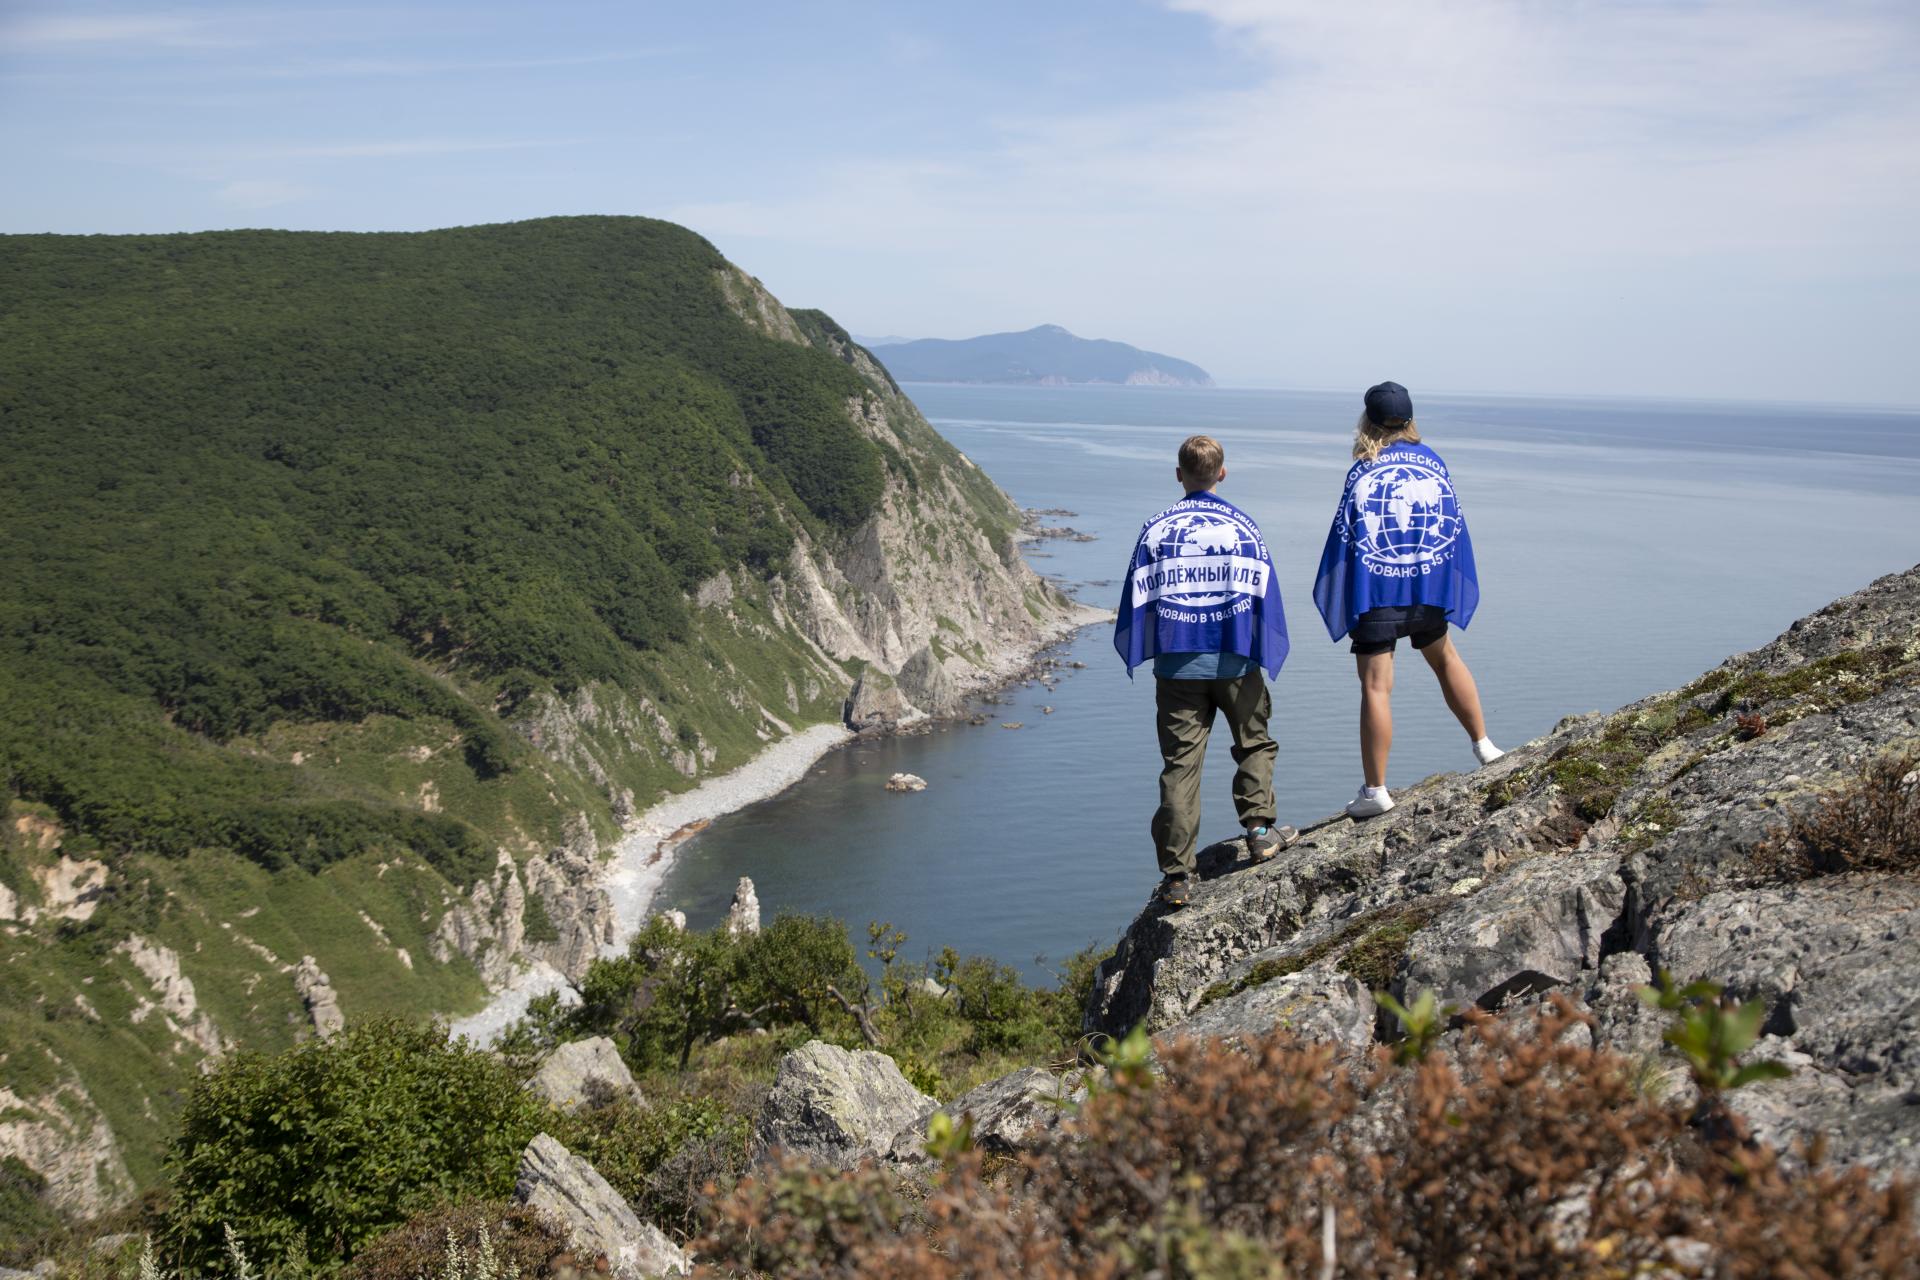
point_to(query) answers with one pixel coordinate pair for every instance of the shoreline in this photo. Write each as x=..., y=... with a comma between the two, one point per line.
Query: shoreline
x=638, y=863
x=640, y=858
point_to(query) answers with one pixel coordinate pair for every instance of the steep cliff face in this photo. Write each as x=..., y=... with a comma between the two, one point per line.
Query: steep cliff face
x=567, y=516
x=1616, y=846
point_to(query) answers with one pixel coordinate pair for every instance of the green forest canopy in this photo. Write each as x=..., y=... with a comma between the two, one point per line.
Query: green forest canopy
x=255, y=476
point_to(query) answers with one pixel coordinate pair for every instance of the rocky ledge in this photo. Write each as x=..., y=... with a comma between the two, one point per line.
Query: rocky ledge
x=1616, y=846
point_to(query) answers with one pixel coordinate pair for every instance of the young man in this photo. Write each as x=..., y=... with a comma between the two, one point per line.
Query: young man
x=1202, y=601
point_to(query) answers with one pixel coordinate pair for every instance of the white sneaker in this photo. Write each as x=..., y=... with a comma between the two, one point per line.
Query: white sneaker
x=1370, y=803
x=1485, y=752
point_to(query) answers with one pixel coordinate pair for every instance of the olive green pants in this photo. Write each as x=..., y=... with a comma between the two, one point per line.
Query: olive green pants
x=1185, y=720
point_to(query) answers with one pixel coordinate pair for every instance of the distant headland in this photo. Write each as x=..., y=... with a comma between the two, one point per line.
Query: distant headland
x=1046, y=356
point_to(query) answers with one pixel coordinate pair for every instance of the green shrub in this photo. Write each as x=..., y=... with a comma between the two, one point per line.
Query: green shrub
x=675, y=990
x=26, y=1216
x=311, y=1153
x=1001, y=1012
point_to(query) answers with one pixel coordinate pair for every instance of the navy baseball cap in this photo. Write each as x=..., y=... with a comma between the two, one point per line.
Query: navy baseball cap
x=1388, y=402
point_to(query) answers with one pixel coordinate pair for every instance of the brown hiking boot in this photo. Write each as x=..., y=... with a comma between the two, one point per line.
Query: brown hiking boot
x=1172, y=893
x=1264, y=842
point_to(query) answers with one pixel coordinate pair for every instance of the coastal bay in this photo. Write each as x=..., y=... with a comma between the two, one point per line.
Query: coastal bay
x=1623, y=545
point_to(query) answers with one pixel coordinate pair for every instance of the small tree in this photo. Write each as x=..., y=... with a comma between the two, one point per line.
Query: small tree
x=310, y=1153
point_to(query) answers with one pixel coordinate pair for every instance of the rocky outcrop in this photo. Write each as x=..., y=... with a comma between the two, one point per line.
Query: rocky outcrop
x=316, y=993
x=489, y=926
x=174, y=998
x=62, y=1136
x=1012, y=1113
x=877, y=703
x=584, y=1073
x=1582, y=862
x=568, y=1189
x=743, y=913
x=837, y=1106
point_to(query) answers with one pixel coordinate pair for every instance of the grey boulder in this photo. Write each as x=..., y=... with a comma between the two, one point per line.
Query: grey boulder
x=1317, y=1003
x=1009, y=1114
x=566, y=1188
x=837, y=1106
x=1536, y=928
x=582, y=1074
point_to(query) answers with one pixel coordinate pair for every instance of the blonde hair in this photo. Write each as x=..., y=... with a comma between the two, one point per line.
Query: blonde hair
x=1201, y=459
x=1369, y=440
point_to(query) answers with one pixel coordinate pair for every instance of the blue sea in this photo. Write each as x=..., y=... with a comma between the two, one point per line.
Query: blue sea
x=1623, y=547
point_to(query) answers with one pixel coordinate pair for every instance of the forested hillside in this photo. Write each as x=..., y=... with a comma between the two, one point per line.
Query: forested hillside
x=347, y=572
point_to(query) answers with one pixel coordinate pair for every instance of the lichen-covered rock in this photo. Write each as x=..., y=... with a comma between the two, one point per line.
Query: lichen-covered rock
x=1584, y=862
x=584, y=1073
x=1317, y=1003
x=1538, y=927
x=837, y=1106
x=1011, y=1113
x=1836, y=963
x=567, y=1188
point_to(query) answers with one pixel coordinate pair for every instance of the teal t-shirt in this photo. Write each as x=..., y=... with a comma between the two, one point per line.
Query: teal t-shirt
x=1202, y=666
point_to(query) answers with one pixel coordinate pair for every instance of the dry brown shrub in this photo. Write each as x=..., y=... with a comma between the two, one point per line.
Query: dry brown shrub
x=1501, y=1149
x=1740, y=1214
x=1517, y=1151
x=418, y=1247
x=1231, y=1138
x=1872, y=824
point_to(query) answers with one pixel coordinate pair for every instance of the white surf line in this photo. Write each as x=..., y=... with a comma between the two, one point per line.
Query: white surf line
x=641, y=858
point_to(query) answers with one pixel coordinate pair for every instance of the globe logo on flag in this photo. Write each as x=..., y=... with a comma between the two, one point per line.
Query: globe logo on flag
x=1201, y=533
x=1407, y=515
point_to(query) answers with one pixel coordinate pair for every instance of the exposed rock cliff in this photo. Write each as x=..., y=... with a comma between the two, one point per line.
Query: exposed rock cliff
x=1580, y=863
x=916, y=588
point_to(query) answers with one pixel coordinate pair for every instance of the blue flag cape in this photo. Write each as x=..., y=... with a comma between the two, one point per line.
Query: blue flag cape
x=1201, y=581
x=1399, y=538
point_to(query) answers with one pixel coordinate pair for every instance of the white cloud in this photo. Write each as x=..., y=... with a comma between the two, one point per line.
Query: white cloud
x=1475, y=183
x=166, y=30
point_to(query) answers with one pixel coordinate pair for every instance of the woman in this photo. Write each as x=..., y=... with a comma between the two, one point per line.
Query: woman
x=1398, y=562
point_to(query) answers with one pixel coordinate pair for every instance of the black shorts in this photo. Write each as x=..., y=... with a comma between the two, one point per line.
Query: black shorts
x=1376, y=630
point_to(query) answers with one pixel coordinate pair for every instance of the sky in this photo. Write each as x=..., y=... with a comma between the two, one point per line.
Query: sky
x=1709, y=198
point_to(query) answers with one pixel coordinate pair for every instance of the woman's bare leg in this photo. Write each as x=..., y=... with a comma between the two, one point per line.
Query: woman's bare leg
x=1376, y=714
x=1456, y=682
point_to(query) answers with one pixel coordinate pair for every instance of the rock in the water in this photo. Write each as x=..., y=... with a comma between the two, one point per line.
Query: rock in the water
x=743, y=915
x=906, y=782
x=584, y=1073
x=561, y=1184
x=1009, y=1114
x=316, y=992
x=836, y=1106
